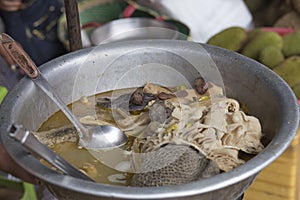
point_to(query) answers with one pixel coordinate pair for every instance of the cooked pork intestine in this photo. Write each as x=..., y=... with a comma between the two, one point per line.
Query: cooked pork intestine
x=226, y=158
x=216, y=127
x=215, y=131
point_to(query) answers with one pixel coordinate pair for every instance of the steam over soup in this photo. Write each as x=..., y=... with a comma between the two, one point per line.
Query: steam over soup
x=176, y=135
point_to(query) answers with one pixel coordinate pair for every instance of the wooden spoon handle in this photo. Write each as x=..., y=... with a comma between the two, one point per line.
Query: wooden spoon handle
x=18, y=54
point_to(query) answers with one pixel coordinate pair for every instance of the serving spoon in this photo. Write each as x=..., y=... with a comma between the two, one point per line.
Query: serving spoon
x=96, y=137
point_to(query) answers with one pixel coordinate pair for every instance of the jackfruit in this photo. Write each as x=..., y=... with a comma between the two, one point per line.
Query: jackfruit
x=272, y=12
x=291, y=44
x=289, y=20
x=296, y=90
x=255, y=5
x=231, y=38
x=289, y=70
x=263, y=39
x=271, y=56
x=296, y=5
x=253, y=33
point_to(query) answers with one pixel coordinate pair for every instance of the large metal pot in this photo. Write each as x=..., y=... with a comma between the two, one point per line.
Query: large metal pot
x=109, y=66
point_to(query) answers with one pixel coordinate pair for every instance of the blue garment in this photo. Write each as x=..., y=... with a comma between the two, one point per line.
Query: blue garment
x=8, y=78
x=35, y=28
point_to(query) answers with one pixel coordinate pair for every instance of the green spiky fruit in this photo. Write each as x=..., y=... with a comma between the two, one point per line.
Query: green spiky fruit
x=289, y=70
x=296, y=90
x=271, y=56
x=263, y=39
x=253, y=33
x=231, y=38
x=296, y=5
x=291, y=44
x=255, y=5
x=272, y=12
x=289, y=20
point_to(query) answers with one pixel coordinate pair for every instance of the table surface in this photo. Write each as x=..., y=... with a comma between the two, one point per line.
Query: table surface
x=281, y=179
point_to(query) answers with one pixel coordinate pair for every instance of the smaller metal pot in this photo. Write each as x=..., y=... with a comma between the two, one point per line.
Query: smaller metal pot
x=132, y=29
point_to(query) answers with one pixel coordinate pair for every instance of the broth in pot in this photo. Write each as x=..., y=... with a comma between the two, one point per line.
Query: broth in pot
x=176, y=135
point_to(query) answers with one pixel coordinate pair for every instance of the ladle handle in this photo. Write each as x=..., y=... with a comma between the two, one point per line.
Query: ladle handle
x=16, y=52
x=27, y=139
x=43, y=84
x=19, y=55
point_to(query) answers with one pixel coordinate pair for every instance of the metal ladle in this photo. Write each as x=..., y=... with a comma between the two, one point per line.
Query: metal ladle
x=97, y=137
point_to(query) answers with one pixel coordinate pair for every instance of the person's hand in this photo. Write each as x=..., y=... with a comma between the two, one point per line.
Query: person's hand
x=10, y=5
x=8, y=165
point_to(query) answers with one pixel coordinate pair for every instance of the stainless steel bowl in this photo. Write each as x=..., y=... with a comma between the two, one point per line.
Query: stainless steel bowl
x=126, y=64
x=133, y=29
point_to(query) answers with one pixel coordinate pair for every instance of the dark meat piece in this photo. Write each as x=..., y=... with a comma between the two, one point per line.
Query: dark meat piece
x=200, y=85
x=137, y=98
x=131, y=102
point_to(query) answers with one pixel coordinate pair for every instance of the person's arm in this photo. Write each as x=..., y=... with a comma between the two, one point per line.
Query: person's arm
x=8, y=165
x=10, y=5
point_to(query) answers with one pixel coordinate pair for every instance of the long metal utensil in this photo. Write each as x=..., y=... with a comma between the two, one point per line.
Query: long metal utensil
x=94, y=138
x=27, y=139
